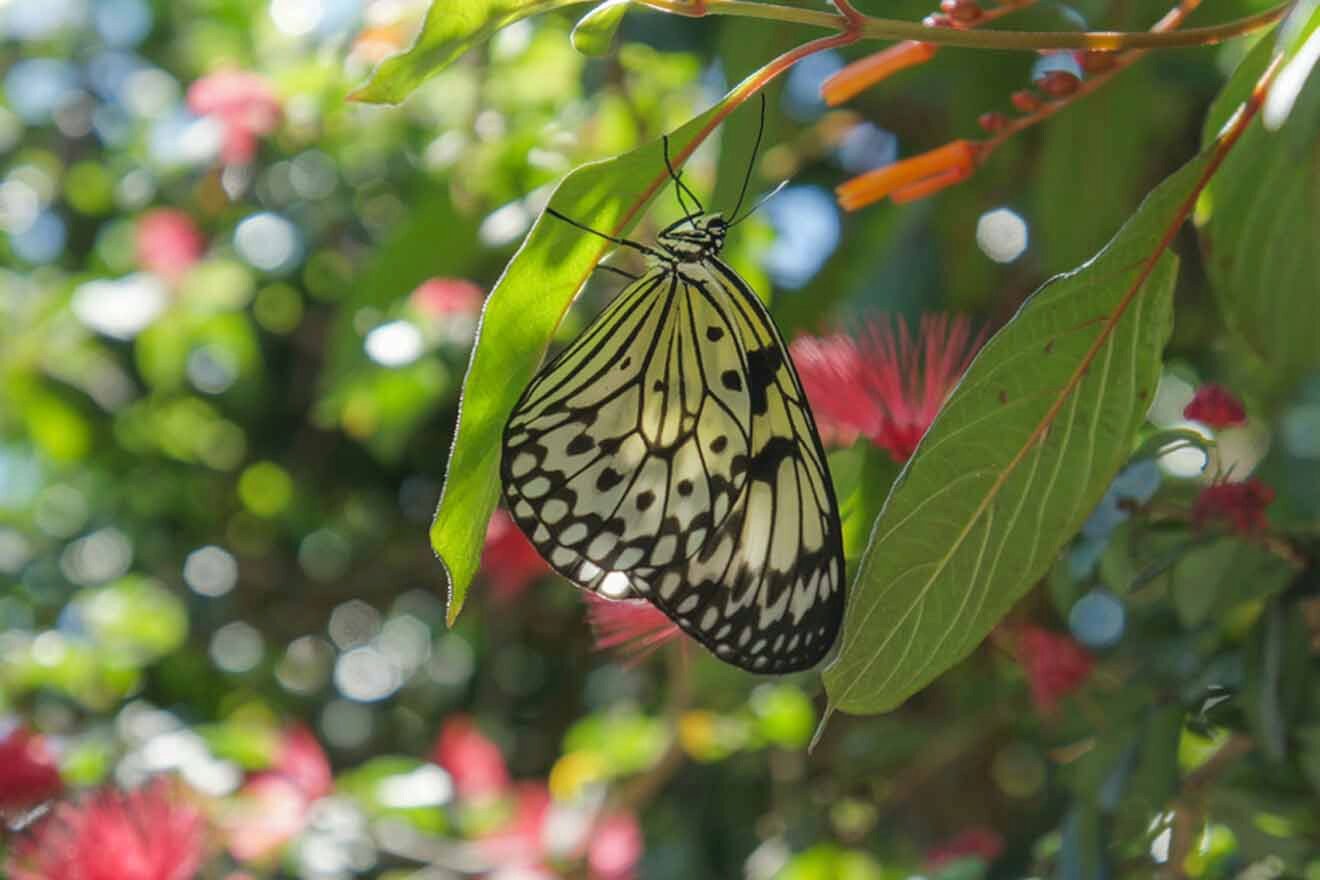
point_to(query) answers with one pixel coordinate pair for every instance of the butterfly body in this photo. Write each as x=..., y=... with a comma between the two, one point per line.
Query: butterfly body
x=669, y=454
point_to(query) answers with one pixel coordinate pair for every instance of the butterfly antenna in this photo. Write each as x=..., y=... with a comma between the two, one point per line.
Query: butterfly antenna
x=747, y=178
x=680, y=188
x=623, y=242
x=759, y=202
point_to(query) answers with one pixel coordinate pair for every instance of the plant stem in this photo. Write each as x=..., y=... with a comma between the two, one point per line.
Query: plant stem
x=870, y=28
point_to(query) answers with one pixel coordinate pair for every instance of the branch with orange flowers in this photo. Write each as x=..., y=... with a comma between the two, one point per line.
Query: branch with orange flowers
x=953, y=163
x=869, y=28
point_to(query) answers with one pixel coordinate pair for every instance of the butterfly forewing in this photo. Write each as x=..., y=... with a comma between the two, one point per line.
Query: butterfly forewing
x=619, y=455
x=669, y=452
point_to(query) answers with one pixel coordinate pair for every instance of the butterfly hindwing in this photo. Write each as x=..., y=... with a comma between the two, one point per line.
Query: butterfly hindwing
x=766, y=591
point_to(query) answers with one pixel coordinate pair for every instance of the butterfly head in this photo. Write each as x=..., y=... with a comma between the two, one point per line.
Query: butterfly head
x=694, y=237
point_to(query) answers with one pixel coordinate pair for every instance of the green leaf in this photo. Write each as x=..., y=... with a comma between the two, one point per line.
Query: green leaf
x=1092, y=172
x=1016, y=460
x=594, y=32
x=1258, y=217
x=450, y=29
x=518, y=321
x=1213, y=578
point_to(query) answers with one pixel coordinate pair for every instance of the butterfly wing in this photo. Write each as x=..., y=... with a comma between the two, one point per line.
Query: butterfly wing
x=766, y=590
x=621, y=455
x=669, y=453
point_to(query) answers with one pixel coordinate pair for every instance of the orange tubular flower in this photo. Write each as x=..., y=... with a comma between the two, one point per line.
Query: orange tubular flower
x=910, y=179
x=866, y=72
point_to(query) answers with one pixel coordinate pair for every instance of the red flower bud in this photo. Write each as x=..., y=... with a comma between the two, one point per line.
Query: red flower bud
x=1026, y=101
x=1058, y=83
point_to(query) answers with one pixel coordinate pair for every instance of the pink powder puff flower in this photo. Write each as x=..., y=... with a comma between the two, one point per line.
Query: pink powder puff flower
x=1055, y=665
x=634, y=626
x=1215, y=405
x=447, y=296
x=154, y=833
x=510, y=561
x=472, y=759
x=29, y=774
x=977, y=842
x=889, y=384
x=615, y=847
x=243, y=103
x=1241, y=505
x=168, y=243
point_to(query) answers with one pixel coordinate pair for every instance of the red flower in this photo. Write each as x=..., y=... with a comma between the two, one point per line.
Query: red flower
x=889, y=385
x=154, y=833
x=447, y=296
x=1215, y=405
x=1055, y=665
x=244, y=104
x=1242, y=505
x=168, y=243
x=635, y=626
x=509, y=560
x=29, y=774
x=471, y=759
x=615, y=847
x=979, y=842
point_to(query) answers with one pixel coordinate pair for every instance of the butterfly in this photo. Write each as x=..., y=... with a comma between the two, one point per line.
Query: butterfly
x=668, y=453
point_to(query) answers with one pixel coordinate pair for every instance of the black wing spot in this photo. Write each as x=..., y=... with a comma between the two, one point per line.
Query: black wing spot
x=580, y=444
x=731, y=380
x=762, y=366
x=719, y=444
x=611, y=446
x=714, y=334
x=685, y=487
x=645, y=500
x=658, y=386
x=625, y=363
x=608, y=479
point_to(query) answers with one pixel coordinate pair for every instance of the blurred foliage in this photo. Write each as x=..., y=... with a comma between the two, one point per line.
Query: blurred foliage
x=235, y=313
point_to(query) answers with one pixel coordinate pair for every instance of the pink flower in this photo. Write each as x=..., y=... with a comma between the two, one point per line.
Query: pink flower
x=447, y=296
x=168, y=243
x=520, y=841
x=1241, y=505
x=300, y=759
x=273, y=806
x=269, y=812
x=1215, y=405
x=615, y=847
x=509, y=560
x=471, y=759
x=1055, y=666
x=978, y=842
x=153, y=833
x=243, y=103
x=635, y=626
x=888, y=385
x=29, y=774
